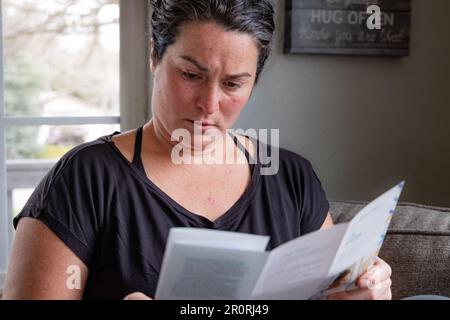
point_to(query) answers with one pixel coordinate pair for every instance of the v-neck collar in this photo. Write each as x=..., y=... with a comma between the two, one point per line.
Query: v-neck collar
x=224, y=219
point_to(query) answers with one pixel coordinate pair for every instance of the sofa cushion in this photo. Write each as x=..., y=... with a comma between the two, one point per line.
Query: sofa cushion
x=417, y=247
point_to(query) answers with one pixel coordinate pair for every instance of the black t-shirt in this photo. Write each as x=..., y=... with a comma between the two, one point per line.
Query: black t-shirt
x=109, y=213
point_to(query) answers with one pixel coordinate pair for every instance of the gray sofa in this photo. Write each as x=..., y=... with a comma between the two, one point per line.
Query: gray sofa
x=417, y=247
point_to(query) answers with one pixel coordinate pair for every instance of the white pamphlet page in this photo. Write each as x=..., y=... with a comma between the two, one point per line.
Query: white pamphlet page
x=223, y=265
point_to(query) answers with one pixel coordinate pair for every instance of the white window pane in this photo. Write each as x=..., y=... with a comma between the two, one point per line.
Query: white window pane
x=51, y=142
x=19, y=199
x=61, y=57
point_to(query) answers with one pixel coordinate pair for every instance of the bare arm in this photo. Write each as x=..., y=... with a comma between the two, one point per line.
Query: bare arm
x=38, y=265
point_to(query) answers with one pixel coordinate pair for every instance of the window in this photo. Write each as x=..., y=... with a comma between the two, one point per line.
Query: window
x=60, y=77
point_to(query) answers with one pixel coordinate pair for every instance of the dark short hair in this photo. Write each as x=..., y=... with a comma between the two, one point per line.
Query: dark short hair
x=253, y=17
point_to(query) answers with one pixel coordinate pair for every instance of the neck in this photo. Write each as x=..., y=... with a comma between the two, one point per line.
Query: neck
x=160, y=142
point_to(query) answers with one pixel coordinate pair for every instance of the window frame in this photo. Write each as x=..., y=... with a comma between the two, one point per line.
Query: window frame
x=135, y=92
x=4, y=229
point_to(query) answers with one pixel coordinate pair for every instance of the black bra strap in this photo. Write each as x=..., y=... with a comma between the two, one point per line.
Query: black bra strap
x=137, y=160
x=242, y=148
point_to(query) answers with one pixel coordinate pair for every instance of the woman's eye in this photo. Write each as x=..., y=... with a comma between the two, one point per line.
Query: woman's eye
x=190, y=75
x=232, y=85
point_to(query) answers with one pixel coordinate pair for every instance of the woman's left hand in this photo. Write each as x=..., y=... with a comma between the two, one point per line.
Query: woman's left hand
x=374, y=284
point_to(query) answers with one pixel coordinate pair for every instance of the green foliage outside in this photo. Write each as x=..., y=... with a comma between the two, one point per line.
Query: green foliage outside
x=23, y=82
x=52, y=152
x=53, y=50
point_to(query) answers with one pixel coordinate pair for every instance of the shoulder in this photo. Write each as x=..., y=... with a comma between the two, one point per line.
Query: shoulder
x=296, y=168
x=275, y=160
x=290, y=158
x=87, y=152
x=260, y=149
x=79, y=175
x=283, y=162
x=84, y=160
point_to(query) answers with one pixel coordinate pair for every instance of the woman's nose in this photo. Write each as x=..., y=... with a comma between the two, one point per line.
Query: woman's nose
x=209, y=99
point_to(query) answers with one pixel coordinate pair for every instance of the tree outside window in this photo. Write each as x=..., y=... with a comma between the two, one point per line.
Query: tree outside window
x=61, y=58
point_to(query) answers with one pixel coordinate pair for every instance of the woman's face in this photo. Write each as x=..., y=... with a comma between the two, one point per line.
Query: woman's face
x=207, y=75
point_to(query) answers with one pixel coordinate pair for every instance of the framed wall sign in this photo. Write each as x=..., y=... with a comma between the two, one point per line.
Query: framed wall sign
x=347, y=27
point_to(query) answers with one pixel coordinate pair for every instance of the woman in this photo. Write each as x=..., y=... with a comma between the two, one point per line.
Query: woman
x=105, y=210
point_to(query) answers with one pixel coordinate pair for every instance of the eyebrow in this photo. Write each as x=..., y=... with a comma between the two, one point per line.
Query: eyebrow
x=205, y=69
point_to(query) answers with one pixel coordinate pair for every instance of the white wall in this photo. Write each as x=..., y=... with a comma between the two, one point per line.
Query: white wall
x=366, y=122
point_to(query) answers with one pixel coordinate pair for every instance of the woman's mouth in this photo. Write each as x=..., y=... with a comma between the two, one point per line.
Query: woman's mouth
x=201, y=125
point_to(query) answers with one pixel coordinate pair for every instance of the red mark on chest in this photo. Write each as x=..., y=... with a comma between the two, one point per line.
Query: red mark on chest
x=211, y=200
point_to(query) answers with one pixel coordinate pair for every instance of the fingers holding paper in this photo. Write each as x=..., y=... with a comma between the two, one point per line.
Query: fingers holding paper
x=374, y=284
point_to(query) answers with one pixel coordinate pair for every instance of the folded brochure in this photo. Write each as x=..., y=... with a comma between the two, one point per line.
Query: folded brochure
x=223, y=265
